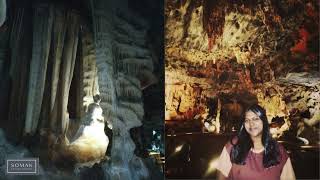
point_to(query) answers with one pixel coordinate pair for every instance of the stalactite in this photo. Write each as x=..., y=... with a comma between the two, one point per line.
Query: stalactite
x=68, y=58
x=18, y=72
x=132, y=51
x=59, y=31
x=42, y=21
x=124, y=27
x=14, y=40
x=134, y=65
x=127, y=88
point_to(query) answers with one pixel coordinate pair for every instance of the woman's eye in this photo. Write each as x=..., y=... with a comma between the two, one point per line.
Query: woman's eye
x=254, y=120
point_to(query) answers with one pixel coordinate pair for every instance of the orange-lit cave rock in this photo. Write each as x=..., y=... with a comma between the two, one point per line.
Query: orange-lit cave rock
x=235, y=53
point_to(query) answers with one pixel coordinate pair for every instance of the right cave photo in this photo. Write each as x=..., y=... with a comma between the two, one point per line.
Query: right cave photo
x=242, y=89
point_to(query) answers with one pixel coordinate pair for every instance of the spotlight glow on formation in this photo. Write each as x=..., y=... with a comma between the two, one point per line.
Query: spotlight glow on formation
x=178, y=148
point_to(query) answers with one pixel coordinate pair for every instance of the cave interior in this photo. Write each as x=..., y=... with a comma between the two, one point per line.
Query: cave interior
x=223, y=56
x=82, y=87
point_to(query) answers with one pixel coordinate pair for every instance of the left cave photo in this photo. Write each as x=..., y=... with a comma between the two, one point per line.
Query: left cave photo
x=82, y=89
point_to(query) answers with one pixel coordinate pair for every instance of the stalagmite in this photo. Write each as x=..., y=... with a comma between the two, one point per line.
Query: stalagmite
x=90, y=143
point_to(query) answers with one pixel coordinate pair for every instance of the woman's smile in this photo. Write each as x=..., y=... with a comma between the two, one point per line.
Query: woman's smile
x=253, y=124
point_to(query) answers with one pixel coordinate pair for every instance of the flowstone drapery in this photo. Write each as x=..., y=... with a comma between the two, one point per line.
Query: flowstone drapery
x=122, y=58
x=43, y=19
x=66, y=72
x=55, y=43
x=18, y=73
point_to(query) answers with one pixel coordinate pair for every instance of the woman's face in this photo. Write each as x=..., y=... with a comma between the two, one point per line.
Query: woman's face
x=253, y=124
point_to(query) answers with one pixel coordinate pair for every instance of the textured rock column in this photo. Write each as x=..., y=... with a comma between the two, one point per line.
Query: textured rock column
x=42, y=21
x=121, y=151
x=135, y=67
x=90, y=77
x=122, y=58
x=103, y=36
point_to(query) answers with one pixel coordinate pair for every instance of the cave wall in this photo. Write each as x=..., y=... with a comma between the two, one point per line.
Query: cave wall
x=60, y=55
x=241, y=52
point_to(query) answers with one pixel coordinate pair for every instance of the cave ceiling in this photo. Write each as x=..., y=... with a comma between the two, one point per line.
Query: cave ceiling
x=241, y=52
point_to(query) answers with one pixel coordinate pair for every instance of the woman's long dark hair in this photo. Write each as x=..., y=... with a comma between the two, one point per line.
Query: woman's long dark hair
x=244, y=143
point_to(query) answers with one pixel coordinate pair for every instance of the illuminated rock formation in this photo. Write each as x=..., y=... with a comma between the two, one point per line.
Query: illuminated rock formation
x=90, y=143
x=122, y=64
x=55, y=56
x=242, y=53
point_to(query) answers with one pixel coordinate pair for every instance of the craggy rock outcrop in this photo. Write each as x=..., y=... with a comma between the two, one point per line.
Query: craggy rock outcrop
x=242, y=52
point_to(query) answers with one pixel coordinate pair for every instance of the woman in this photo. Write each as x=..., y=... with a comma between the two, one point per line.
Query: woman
x=253, y=154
